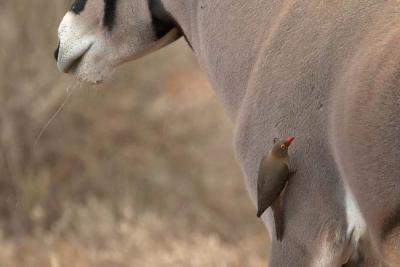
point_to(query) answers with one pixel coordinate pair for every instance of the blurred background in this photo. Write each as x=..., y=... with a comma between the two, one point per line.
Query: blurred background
x=138, y=171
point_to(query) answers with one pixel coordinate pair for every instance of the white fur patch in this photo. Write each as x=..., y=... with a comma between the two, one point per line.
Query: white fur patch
x=355, y=220
x=356, y=227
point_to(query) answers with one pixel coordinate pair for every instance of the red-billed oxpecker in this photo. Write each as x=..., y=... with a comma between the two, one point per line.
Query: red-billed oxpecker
x=273, y=176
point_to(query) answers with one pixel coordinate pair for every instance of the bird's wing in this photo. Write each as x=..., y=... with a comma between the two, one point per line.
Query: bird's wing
x=271, y=175
x=265, y=169
x=271, y=180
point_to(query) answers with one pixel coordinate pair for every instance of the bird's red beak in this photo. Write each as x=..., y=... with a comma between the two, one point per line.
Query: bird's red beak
x=289, y=140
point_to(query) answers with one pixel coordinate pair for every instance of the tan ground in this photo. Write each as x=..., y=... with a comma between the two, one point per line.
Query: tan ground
x=136, y=172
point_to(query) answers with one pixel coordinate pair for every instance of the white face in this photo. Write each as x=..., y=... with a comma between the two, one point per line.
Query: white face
x=98, y=35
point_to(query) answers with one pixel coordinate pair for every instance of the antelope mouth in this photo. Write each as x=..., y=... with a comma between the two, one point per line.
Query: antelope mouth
x=70, y=63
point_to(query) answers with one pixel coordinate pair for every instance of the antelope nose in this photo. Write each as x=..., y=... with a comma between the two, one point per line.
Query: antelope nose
x=57, y=51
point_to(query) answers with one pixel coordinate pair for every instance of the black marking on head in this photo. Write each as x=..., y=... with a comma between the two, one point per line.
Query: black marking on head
x=163, y=22
x=110, y=7
x=78, y=6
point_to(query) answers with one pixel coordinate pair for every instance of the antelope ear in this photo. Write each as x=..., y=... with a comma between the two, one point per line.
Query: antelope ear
x=276, y=139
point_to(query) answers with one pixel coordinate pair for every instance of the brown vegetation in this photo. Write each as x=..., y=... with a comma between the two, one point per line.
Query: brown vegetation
x=136, y=172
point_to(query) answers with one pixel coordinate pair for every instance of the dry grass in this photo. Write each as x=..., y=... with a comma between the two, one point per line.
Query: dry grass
x=137, y=172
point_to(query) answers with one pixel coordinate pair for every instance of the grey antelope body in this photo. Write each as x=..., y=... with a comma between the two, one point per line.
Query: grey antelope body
x=325, y=71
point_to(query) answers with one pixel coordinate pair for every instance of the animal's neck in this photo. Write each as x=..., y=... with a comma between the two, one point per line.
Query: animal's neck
x=225, y=46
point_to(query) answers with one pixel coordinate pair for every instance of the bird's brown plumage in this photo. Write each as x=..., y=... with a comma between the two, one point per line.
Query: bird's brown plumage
x=272, y=178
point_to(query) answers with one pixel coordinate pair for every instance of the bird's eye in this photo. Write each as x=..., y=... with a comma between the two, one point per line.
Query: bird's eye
x=283, y=146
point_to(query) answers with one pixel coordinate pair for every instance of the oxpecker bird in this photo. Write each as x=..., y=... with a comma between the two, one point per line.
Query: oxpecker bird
x=273, y=176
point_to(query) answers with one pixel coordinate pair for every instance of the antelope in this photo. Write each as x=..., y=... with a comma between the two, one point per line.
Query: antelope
x=325, y=71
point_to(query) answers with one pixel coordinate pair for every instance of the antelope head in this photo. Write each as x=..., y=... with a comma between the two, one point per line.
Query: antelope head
x=95, y=36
